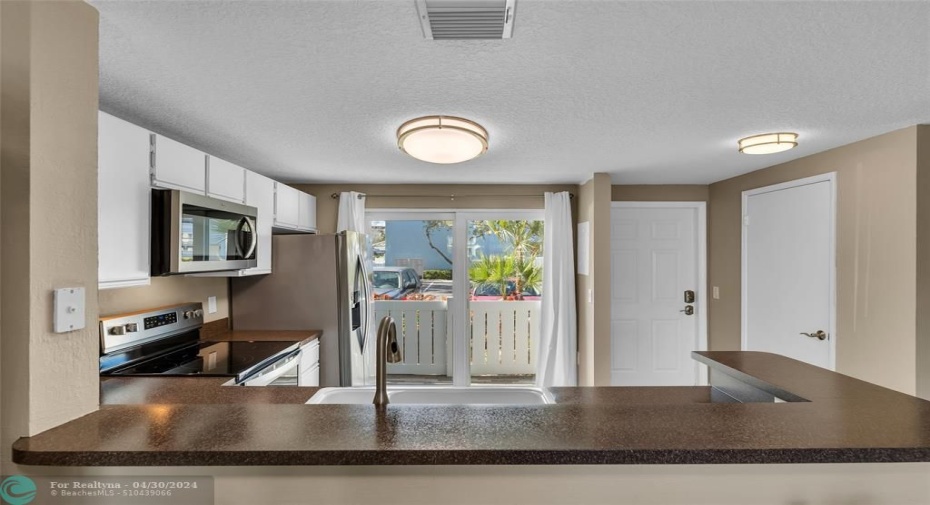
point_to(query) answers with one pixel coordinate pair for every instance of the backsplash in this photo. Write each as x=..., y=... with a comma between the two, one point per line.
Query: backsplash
x=168, y=291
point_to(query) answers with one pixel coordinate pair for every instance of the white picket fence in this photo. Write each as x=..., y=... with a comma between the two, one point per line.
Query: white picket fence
x=422, y=333
x=502, y=336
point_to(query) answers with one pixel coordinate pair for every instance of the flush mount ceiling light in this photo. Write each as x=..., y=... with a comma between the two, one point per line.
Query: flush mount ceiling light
x=768, y=143
x=442, y=139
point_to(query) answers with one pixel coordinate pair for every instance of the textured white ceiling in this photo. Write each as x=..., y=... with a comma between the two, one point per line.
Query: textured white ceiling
x=650, y=92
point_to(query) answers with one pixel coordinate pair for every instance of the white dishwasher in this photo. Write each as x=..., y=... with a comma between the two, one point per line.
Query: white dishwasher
x=309, y=368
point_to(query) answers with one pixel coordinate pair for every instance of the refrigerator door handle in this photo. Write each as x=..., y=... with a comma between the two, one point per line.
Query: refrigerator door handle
x=366, y=299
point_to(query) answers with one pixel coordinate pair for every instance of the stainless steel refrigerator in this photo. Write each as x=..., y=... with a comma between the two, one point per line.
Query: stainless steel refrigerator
x=318, y=282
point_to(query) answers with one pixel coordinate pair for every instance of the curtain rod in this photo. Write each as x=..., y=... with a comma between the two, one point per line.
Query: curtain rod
x=451, y=197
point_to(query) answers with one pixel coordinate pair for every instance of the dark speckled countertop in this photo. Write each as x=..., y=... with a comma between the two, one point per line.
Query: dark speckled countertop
x=195, y=422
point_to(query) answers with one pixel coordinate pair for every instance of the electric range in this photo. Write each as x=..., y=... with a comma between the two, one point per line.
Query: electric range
x=166, y=342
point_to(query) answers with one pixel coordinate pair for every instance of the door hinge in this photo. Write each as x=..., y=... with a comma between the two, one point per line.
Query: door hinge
x=745, y=220
x=152, y=153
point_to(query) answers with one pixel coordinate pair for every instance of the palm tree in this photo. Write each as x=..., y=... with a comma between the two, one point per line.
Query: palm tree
x=525, y=237
x=492, y=270
x=529, y=276
x=526, y=241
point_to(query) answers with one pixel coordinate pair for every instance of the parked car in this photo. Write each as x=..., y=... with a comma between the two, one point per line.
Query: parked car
x=394, y=283
x=491, y=291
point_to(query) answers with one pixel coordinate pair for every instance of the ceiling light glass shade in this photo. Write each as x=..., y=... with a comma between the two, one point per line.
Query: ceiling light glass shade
x=768, y=143
x=442, y=139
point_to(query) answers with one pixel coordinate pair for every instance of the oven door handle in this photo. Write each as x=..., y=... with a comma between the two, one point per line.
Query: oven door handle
x=272, y=371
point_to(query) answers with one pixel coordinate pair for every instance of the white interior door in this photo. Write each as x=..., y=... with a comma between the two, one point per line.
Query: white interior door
x=657, y=254
x=788, y=270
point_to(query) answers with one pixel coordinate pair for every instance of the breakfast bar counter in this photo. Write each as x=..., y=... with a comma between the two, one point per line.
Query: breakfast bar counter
x=818, y=417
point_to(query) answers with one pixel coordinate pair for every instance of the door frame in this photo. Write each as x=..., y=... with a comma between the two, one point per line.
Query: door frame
x=701, y=233
x=744, y=280
x=458, y=309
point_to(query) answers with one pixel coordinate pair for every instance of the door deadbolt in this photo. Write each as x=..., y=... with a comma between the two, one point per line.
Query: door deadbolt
x=688, y=310
x=689, y=296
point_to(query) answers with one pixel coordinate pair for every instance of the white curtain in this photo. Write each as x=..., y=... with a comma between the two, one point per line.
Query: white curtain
x=558, y=329
x=351, y=215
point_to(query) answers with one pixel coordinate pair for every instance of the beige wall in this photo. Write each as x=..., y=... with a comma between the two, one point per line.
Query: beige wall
x=584, y=284
x=49, y=200
x=876, y=254
x=593, y=290
x=923, y=262
x=420, y=196
x=660, y=193
x=168, y=291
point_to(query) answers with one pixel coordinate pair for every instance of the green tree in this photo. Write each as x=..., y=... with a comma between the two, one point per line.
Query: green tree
x=525, y=239
x=492, y=270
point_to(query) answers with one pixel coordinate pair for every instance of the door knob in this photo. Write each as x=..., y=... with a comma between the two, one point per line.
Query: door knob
x=819, y=335
x=688, y=310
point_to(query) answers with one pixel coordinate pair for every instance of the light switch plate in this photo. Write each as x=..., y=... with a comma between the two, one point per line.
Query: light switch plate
x=68, y=309
x=211, y=305
x=716, y=293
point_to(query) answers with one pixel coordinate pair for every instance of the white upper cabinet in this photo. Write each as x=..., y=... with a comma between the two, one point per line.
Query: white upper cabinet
x=123, y=203
x=306, y=212
x=286, y=206
x=177, y=166
x=259, y=193
x=225, y=180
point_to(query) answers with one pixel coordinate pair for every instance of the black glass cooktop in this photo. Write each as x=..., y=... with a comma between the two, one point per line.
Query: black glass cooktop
x=181, y=357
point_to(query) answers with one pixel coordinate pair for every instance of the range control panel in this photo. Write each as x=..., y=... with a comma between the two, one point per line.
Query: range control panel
x=160, y=320
x=123, y=331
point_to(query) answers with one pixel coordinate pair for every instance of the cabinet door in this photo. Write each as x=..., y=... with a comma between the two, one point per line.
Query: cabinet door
x=123, y=203
x=306, y=213
x=259, y=193
x=286, y=205
x=225, y=180
x=177, y=166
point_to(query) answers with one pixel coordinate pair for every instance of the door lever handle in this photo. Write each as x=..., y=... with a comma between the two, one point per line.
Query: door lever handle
x=819, y=335
x=688, y=310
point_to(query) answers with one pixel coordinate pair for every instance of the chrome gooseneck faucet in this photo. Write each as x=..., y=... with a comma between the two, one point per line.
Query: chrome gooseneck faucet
x=388, y=352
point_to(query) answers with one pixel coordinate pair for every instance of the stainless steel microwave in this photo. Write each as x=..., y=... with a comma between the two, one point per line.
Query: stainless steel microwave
x=195, y=233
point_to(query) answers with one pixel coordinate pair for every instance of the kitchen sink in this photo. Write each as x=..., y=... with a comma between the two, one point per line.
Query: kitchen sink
x=438, y=395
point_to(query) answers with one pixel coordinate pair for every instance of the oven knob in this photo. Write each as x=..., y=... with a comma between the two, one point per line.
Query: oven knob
x=198, y=313
x=118, y=330
x=188, y=314
x=132, y=327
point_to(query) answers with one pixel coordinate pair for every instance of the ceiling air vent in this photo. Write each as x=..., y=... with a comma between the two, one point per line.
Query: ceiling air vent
x=466, y=19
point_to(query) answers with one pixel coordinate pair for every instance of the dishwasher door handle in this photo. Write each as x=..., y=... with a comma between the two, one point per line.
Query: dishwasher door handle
x=270, y=373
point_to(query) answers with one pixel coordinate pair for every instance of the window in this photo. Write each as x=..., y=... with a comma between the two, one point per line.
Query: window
x=464, y=291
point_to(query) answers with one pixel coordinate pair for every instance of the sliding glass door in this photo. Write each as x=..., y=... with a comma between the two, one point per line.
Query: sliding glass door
x=464, y=289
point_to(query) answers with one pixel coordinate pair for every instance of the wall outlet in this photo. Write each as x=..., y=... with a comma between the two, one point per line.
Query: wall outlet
x=211, y=305
x=716, y=293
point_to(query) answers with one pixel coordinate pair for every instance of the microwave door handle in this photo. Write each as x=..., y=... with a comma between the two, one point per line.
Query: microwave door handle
x=253, y=243
x=238, y=241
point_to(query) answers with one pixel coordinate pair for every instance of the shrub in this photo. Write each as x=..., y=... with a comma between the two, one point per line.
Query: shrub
x=437, y=275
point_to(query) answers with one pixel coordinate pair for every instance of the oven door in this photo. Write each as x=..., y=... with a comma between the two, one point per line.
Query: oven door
x=196, y=233
x=283, y=372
